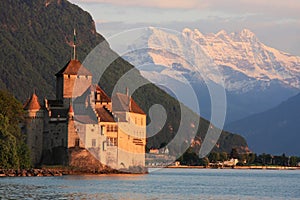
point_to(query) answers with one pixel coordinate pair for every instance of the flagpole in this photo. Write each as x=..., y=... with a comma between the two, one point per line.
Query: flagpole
x=74, y=45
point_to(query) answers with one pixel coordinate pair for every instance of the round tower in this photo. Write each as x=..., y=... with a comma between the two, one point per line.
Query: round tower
x=34, y=125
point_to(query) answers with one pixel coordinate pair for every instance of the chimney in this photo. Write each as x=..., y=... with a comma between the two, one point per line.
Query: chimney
x=129, y=106
x=128, y=99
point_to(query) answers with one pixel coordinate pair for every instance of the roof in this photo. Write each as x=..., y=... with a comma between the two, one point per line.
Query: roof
x=32, y=103
x=93, y=88
x=103, y=96
x=71, y=109
x=105, y=115
x=90, y=118
x=74, y=67
x=86, y=119
x=121, y=103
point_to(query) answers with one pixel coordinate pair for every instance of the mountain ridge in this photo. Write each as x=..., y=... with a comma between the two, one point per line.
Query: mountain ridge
x=260, y=61
x=238, y=61
x=273, y=131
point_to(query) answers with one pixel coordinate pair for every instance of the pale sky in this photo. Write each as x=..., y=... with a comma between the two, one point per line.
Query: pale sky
x=275, y=22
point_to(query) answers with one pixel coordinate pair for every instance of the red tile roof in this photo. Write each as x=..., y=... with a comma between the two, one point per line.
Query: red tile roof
x=74, y=67
x=71, y=109
x=93, y=88
x=105, y=115
x=103, y=96
x=32, y=103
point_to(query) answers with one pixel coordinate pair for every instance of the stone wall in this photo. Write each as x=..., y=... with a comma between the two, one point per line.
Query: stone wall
x=34, y=126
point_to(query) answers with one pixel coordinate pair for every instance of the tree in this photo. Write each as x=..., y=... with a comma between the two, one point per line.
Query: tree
x=8, y=146
x=251, y=158
x=223, y=156
x=234, y=153
x=204, y=161
x=189, y=158
x=14, y=153
x=293, y=161
x=214, y=157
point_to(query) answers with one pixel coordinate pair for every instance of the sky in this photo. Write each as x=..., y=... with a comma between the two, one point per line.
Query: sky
x=275, y=22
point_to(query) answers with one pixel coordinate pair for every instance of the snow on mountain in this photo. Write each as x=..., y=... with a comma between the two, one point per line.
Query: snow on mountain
x=232, y=54
x=256, y=77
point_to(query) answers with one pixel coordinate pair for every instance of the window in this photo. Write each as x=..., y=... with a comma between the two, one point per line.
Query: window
x=62, y=142
x=93, y=142
x=112, y=128
x=104, y=146
x=102, y=130
x=77, y=142
x=115, y=129
x=112, y=141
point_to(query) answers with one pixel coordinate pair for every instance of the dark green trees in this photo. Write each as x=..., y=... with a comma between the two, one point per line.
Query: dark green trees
x=14, y=153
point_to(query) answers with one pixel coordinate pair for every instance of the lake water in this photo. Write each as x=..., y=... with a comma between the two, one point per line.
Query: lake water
x=159, y=184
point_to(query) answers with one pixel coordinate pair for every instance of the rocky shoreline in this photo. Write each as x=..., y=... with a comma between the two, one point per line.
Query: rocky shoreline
x=60, y=171
x=29, y=172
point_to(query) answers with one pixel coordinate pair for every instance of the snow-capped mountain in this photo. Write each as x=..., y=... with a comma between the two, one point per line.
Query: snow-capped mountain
x=256, y=77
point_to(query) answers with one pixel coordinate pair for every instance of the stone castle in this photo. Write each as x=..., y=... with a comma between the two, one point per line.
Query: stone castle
x=84, y=119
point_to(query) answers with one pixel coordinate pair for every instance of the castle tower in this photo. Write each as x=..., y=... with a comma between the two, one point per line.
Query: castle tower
x=72, y=137
x=34, y=126
x=72, y=81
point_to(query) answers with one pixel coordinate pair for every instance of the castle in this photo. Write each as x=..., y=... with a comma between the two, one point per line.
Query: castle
x=84, y=117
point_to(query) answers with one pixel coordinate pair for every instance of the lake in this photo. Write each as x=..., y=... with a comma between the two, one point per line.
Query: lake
x=159, y=184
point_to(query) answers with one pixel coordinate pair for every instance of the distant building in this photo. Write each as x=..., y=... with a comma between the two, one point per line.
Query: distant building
x=154, y=151
x=113, y=131
x=231, y=162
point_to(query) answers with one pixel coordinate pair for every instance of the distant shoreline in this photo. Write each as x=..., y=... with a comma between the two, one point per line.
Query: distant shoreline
x=236, y=167
x=63, y=172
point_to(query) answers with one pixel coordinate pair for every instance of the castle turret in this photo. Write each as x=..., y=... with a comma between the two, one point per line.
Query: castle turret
x=71, y=112
x=34, y=128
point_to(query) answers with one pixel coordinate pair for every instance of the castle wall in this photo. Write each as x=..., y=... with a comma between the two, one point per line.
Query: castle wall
x=75, y=85
x=132, y=141
x=34, y=126
x=73, y=138
x=55, y=141
x=111, y=144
